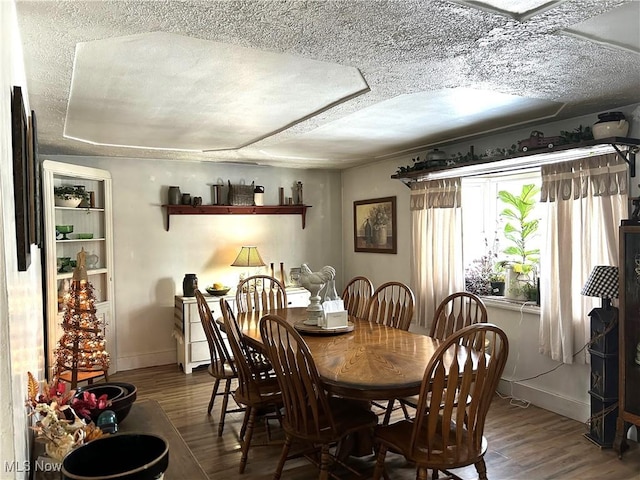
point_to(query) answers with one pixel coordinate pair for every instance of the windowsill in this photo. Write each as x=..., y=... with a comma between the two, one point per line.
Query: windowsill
x=504, y=303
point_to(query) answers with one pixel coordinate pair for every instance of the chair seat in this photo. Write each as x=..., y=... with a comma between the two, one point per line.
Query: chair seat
x=348, y=415
x=260, y=392
x=395, y=438
x=222, y=370
x=413, y=400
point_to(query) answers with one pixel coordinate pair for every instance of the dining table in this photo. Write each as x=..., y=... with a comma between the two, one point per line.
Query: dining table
x=370, y=362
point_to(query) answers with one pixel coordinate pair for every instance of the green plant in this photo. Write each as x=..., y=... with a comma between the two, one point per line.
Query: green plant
x=520, y=228
x=497, y=274
x=70, y=191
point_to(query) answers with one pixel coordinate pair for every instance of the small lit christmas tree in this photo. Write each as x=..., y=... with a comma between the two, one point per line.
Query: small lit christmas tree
x=80, y=354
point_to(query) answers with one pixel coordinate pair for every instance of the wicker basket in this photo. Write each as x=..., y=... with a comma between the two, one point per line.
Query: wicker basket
x=241, y=194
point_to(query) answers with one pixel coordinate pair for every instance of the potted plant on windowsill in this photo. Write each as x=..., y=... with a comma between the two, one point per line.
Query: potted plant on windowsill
x=497, y=279
x=70, y=195
x=519, y=230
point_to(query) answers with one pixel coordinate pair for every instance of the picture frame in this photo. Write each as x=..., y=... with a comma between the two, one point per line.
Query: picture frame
x=374, y=225
x=35, y=176
x=21, y=180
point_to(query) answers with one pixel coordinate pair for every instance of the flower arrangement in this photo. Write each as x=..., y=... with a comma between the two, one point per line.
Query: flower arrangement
x=58, y=423
x=379, y=215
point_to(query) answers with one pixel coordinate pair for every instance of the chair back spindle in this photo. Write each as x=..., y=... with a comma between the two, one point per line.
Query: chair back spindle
x=356, y=295
x=392, y=305
x=456, y=311
x=260, y=293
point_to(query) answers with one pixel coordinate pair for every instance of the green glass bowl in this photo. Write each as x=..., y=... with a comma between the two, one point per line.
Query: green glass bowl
x=85, y=236
x=64, y=228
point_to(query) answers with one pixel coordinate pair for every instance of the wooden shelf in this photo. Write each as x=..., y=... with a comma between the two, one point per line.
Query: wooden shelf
x=630, y=157
x=236, y=210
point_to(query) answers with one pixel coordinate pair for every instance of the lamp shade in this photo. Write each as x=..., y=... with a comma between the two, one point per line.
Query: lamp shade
x=248, y=257
x=603, y=282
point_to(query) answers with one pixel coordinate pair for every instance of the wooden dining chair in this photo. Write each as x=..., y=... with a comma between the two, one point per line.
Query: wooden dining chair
x=356, y=295
x=222, y=366
x=310, y=413
x=257, y=389
x=453, y=437
x=391, y=304
x=260, y=293
x=456, y=311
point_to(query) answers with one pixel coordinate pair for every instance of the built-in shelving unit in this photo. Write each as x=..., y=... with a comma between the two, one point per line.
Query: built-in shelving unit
x=96, y=220
x=236, y=210
x=623, y=146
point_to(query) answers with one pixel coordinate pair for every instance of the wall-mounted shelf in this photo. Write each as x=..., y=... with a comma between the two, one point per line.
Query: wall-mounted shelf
x=543, y=155
x=236, y=210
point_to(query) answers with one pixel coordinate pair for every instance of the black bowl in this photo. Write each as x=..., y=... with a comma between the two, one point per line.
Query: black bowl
x=120, y=404
x=124, y=456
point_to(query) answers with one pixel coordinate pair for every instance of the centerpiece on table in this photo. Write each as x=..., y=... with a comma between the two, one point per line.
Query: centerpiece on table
x=62, y=421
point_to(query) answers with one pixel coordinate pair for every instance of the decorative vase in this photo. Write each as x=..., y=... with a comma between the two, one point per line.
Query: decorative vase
x=175, y=197
x=189, y=285
x=380, y=235
x=610, y=124
x=514, y=285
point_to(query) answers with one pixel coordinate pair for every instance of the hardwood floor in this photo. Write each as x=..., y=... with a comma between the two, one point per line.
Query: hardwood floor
x=527, y=444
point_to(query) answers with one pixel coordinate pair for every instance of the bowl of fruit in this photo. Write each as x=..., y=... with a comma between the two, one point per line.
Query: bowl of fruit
x=218, y=290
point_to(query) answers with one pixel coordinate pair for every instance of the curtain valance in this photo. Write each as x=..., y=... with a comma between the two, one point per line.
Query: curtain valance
x=597, y=176
x=443, y=193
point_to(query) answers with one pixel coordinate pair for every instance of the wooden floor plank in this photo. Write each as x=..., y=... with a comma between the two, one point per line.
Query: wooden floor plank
x=527, y=444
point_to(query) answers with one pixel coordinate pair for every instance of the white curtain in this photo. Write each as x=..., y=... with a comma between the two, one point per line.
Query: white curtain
x=436, y=226
x=586, y=200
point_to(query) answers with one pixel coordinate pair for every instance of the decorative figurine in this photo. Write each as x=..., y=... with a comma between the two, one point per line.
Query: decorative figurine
x=314, y=281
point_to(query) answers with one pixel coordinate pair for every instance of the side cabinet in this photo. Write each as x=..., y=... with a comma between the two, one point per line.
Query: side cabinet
x=629, y=333
x=192, y=349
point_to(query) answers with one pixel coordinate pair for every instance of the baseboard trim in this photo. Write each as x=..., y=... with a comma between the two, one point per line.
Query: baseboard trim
x=147, y=360
x=567, y=407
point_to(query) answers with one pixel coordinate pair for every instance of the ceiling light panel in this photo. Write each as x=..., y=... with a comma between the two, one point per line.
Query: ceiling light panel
x=166, y=91
x=618, y=28
x=419, y=119
x=520, y=9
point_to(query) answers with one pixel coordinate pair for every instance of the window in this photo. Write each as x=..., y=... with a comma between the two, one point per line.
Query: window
x=483, y=234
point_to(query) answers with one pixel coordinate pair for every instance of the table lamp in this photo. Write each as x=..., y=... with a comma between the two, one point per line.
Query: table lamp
x=248, y=257
x=603, y=283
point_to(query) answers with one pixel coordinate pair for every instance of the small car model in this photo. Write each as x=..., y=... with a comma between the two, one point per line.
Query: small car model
x=538, y=140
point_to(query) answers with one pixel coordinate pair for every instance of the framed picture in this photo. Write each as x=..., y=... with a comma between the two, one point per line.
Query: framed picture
x=21, y=179
x=374, y=225
x=35, y=168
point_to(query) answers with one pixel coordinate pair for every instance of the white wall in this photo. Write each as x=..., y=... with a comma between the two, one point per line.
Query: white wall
x=363, y=183
x=21, y=340
x=150, y=262
x=563, y=391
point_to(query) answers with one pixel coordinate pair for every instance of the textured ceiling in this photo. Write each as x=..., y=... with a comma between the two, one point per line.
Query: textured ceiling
x=436, y=71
